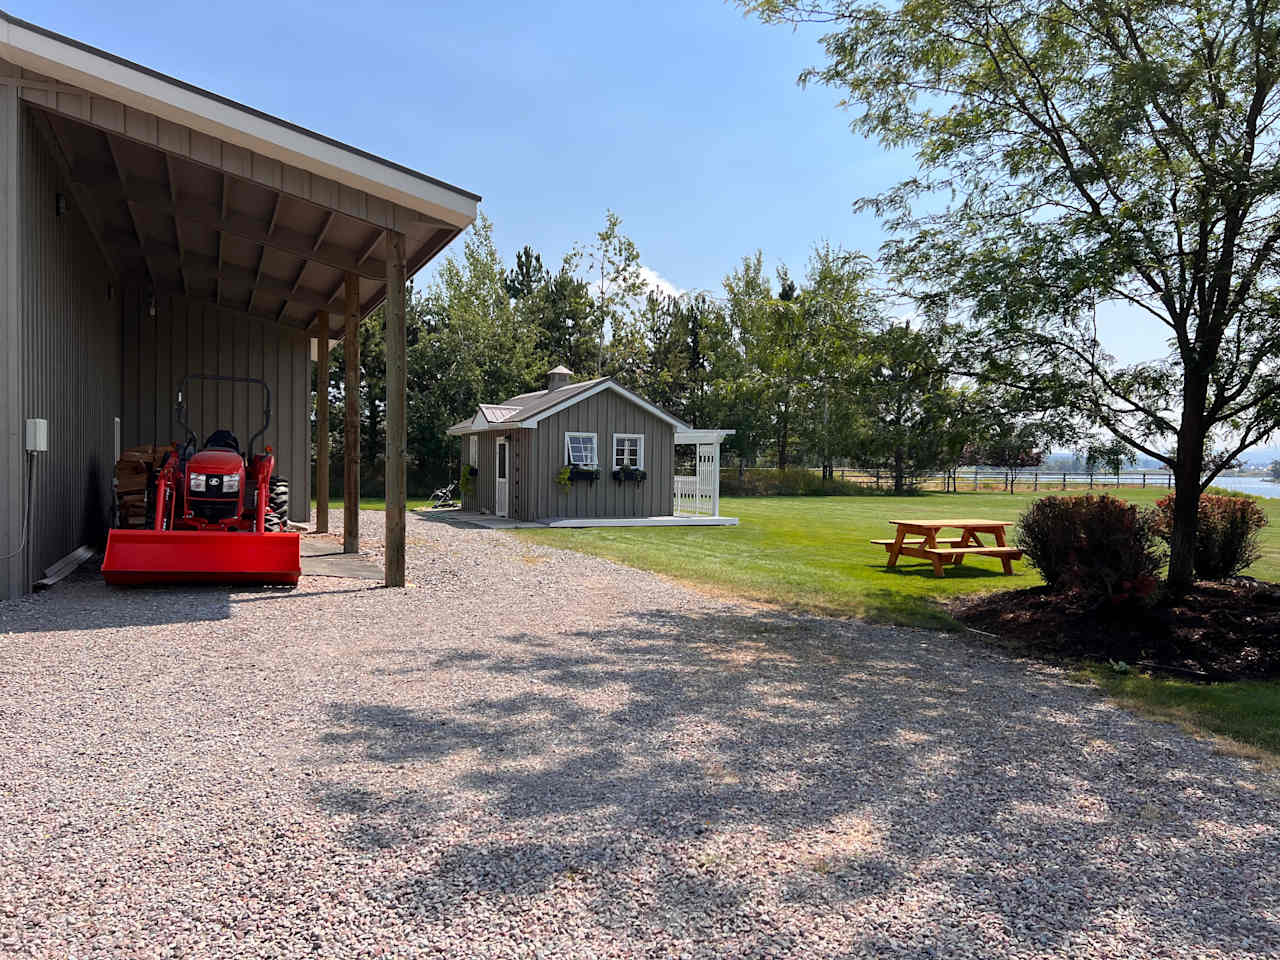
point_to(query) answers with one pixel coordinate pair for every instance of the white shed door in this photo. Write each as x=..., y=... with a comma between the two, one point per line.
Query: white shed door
x=500, y=503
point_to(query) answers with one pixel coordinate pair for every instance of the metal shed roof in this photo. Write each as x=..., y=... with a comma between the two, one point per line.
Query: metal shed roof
x=216, y=200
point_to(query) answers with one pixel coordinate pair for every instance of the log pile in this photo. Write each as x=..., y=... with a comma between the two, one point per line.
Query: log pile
x=135, y=472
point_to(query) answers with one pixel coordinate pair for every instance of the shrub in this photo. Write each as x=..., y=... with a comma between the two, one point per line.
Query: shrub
x=799, y=482
x=1099, y=547
x=1227, y=534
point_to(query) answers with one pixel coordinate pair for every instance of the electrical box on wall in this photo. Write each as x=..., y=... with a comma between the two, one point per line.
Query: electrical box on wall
x=37, y=435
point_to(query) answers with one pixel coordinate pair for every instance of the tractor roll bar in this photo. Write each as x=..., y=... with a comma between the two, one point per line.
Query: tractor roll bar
x=266, y=403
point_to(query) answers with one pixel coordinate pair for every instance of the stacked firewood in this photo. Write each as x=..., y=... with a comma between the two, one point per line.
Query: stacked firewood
x=135, y=472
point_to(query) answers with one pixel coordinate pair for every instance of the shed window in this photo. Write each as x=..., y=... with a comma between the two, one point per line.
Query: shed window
x=474, y=458
x=580, y=449
x=628, y=450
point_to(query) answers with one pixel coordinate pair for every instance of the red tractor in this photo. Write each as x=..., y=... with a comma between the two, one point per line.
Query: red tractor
x=219, y=514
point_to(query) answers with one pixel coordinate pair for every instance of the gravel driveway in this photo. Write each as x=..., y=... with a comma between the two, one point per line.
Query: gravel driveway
x=532, y=753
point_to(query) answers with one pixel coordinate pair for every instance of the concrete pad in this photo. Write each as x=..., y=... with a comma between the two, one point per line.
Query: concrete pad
x=322, y=556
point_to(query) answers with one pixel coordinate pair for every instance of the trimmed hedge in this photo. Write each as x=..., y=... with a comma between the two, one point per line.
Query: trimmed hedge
x=1098, y=547
x=767, y=482
x=1227, y=534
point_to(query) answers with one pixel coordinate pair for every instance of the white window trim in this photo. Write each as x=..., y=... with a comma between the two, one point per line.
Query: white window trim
x=473, y=451
x=595, y=445
x=639, y=448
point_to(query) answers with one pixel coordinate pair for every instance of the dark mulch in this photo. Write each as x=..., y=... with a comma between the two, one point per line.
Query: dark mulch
x=1217, y=631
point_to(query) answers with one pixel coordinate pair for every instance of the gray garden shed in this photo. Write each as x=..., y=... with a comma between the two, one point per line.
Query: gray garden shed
x=150, y=229
x=590, y=453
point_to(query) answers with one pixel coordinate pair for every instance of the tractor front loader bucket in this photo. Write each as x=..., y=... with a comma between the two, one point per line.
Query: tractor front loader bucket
x=189, y=556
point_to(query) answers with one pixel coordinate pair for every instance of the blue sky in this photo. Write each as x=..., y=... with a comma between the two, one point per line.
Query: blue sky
x=681, y=115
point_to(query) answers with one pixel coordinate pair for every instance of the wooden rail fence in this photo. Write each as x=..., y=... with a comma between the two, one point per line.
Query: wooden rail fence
x=1032, y=480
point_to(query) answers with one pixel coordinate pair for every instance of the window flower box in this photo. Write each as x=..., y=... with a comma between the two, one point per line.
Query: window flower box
x=629, y=475
x=573, y=473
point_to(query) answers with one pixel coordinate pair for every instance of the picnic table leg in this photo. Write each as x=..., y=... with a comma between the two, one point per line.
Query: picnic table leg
x=931, y=541
x=965, y=537
x=896, y=547
x=1004, y=561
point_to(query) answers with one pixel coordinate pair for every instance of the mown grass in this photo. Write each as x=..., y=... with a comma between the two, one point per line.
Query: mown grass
x=1246, y=711
x=812, y=554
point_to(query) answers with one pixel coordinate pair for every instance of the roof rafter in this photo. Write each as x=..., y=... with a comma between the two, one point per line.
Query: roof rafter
x=225, y=219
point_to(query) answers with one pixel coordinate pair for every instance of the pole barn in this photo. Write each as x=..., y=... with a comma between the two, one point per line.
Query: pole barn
x=150, y=229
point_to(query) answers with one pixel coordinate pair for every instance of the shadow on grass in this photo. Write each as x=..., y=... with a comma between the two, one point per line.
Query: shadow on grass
x=661, y=757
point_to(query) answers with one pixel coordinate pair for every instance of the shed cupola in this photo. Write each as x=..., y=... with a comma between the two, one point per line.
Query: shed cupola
x=559, y=377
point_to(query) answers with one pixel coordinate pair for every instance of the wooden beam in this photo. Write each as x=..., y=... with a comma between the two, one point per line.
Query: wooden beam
x=177, y=224
x=198, y=267
x=84, y=199
x=322, y=425
x=156, y=279
x=217, y=297
x=397, y=438
x=262, y=254
x=224, y=218
x=351, y=413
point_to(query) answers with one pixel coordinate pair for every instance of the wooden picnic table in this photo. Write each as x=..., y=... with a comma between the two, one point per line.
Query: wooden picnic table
x=925, y=544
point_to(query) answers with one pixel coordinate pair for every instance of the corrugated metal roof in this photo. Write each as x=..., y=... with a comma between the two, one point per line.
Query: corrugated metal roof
x=496, y=413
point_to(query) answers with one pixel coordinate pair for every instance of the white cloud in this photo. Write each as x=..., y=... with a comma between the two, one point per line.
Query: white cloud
x=656, y=282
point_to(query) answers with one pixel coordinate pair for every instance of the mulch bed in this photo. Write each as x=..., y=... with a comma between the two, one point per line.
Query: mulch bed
x=1218, y=631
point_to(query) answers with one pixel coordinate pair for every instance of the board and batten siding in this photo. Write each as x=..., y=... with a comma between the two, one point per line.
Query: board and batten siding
x=183, y=337
x=603, y=414
x=12, y=466
x=67, y=358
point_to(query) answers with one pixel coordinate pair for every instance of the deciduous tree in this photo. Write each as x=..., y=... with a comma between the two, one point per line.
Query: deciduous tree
x=1110, y=151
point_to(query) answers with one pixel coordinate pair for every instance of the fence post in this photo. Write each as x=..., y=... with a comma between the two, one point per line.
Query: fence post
x=1091, y=481
x=1144, y=480
x=1037, y=483
x=975, y=478
x=1168, y=480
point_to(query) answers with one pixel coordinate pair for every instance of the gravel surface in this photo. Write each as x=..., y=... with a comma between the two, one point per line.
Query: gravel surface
x=531, y=753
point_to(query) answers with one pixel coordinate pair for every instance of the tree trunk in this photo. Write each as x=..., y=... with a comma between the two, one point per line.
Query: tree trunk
x=1182, y=540
x=898, y=469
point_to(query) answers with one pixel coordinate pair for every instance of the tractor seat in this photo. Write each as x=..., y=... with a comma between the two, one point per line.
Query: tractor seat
x=222, y=440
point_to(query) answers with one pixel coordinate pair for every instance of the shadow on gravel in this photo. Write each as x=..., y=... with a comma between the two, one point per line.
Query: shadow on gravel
x=688, y=764
x=84, y=601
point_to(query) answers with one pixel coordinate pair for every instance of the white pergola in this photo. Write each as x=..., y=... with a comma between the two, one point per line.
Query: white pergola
x=699, y=495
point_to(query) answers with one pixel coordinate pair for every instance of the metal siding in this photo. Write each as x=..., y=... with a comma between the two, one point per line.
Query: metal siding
x=203, y=338
x=604, y=414
x=469, y=501
x=11, y=457
x=525, y=473
x=68, y=357
x=486, y=494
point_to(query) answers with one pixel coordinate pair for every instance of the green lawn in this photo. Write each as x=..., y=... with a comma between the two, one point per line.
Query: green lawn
x=811, y=553
x=1247, y=712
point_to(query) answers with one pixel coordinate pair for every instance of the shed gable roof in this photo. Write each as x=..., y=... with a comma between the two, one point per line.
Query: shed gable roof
x=530, y=409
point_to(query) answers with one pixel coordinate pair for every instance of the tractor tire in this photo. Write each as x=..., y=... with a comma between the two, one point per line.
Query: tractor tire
x=277, y=505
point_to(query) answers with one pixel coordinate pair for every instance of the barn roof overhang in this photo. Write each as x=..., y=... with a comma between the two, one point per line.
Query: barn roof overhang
x=219, y=202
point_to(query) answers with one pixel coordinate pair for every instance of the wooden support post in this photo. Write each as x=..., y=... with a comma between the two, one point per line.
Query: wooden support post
x=322, y=424
x=397, y=437
x=351, y=410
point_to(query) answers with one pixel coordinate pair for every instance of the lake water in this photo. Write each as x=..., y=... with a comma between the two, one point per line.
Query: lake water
x=1254, y=485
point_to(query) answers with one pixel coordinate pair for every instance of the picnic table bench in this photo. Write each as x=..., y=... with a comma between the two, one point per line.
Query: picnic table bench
x=927, y=545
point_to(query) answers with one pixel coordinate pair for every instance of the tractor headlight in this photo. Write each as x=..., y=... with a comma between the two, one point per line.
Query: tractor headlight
x=231, y=483
x=197, y=482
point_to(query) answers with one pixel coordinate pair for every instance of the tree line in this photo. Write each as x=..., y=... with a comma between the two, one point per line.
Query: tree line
x=814, y=370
